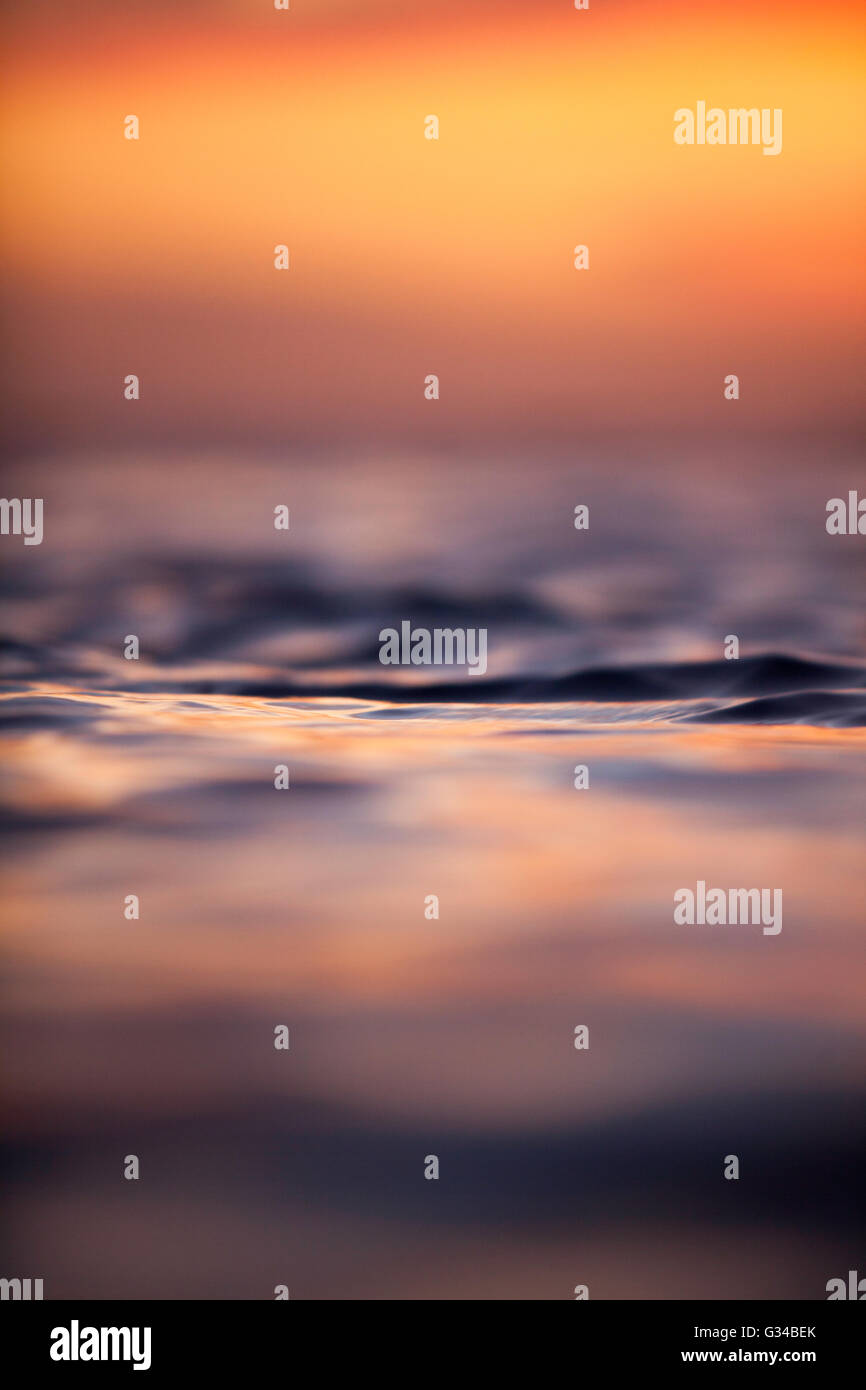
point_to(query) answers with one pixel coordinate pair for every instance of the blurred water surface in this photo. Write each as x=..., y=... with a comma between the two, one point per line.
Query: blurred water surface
x=412, y=1036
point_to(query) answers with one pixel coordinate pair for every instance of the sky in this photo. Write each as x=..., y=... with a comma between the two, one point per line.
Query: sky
x=412, y=256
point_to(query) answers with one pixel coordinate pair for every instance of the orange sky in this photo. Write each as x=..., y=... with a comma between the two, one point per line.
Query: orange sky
x=412, y=256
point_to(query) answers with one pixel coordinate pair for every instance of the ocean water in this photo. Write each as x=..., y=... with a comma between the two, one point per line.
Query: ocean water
x=413, y=1036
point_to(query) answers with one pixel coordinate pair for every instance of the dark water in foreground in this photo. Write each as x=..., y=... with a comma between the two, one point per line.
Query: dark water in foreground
x=412, y=1036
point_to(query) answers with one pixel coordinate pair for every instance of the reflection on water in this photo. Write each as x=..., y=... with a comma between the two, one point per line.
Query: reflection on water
x=412, y=1036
